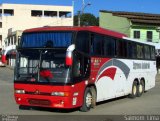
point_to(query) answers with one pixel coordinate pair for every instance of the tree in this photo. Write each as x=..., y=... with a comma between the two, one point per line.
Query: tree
x=87, y=19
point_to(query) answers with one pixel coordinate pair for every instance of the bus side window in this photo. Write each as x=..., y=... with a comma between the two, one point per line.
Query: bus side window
x=81, y=66
x=140, y=51
x=81, y=61
x=121, y=48
x=82, y=42
x=76, y=66
x=109, y=47
x=147, y=52
x=153, y=53
x=97, y=45
x=132, y=51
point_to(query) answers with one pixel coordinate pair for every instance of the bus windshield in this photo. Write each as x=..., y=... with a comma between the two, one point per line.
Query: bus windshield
x=41, y=57
x=46, y=39
x=42, y=66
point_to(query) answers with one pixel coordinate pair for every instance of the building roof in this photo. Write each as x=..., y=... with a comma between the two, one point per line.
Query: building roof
x=135, y=17
x=95, y=29
x=34, y=5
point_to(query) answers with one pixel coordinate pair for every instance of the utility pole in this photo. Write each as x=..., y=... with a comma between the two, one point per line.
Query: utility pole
x=80, y=13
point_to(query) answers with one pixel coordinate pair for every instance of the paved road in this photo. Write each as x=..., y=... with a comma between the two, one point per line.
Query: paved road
x=148, y=104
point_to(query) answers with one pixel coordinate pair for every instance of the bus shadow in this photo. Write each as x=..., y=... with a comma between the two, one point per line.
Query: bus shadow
x=111, y=100
x=55, y=110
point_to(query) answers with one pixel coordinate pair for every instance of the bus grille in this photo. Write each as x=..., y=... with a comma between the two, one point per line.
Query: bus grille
x=39, y=102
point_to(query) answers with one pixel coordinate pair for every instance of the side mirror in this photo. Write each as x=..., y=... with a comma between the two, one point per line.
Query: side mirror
x=69, y=55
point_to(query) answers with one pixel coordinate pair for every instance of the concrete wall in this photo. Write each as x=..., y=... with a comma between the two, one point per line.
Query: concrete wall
x=22, y=18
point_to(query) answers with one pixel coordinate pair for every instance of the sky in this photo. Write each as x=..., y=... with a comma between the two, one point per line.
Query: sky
x=145, y=6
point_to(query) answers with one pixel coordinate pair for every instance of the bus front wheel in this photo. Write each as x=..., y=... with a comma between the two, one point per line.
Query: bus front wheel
x=87, y=100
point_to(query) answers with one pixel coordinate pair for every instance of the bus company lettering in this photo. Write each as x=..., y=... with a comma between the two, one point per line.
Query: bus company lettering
x=141, y=65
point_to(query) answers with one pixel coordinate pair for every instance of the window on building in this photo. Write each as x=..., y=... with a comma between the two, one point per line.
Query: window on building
x=65, y=14
x=0, y=24
x=36, y=13
x=149, y=36
x=50, y=13
x=12, y=40
x=136, y=34
x=0, y=40
x=8, y=12
x=15, y=40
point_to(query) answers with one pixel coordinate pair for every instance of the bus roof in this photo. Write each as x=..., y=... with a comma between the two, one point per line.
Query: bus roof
x=95, y=29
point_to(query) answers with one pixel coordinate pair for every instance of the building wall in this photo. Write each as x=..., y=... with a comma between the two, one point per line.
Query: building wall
x=143, y=33
x=119, y=24
x=123, y=25
x=22, y=18
x=13, y=38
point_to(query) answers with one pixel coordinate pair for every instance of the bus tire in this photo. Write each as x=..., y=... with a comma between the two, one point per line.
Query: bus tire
x=134, y=90
x=87, y=100
x=94, y=97
x=141, y=88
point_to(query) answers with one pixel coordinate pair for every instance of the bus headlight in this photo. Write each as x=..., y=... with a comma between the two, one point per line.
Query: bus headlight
x=20, y=91
x=63, y=94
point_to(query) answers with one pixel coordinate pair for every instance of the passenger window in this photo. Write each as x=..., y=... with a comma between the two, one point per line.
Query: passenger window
x=97, y=45
x=109, y=48
x=152, y=53
x=140, y=52
x=121, y=48
x=147, y=52
x=82, y=42
x=131, y=53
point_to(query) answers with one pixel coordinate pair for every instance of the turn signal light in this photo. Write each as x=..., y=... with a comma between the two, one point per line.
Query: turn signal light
x=63, y=94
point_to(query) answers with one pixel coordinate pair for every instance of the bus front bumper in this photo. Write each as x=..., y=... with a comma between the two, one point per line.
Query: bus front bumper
x=46, y=101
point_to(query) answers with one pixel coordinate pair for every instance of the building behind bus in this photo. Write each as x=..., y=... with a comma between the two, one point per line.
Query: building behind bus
x=142, y=26
x=14, y=18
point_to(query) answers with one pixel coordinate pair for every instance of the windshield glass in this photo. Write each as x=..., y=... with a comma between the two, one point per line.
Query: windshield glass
x=46, y=39
x=42, y=66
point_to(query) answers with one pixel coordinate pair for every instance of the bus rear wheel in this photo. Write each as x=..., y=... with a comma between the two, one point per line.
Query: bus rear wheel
x=140, y=88
x=87, y=100
x=134, y=90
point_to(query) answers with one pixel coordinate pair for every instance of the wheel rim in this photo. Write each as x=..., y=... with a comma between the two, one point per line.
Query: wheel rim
x=134, y=90
x=140, y=88
x=88, y=99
